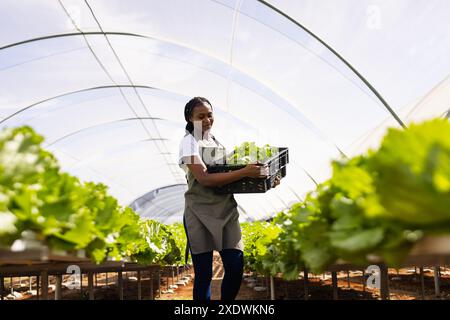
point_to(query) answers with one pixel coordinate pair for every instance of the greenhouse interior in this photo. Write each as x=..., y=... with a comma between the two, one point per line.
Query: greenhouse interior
x=345, y=103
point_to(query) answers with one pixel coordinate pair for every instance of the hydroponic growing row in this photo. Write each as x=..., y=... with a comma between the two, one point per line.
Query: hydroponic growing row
x=375, y=206
x=42, y=206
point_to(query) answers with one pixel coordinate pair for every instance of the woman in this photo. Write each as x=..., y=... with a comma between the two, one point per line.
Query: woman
x=211, y=220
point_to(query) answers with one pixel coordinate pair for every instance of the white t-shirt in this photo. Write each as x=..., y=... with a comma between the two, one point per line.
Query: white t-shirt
x=189, y=146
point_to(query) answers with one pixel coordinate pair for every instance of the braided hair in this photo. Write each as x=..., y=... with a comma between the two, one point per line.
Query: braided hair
x=189, y=108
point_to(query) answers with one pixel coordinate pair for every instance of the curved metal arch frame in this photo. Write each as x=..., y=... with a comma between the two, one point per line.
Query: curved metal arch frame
x=106, y=151
x=63, y=35
x=71, y=93
x=100, y=125
x=352, y=68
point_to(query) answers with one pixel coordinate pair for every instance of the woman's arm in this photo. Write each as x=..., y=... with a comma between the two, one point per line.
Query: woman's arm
x=206, y=179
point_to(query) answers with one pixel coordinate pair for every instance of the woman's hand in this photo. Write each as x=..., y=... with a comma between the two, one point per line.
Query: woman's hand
x=255, y=171
x=277, y=181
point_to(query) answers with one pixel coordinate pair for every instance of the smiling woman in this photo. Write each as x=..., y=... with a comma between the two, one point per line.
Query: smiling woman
x=211, y=220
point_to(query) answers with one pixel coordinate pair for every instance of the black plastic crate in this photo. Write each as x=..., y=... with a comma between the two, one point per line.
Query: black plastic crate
x=277, y=167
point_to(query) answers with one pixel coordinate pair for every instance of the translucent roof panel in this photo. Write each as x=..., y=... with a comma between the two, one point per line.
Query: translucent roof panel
x=105, y=82
x=434, y=104
x=166, y=203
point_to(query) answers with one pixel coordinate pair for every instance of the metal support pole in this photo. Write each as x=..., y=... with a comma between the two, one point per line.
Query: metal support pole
x=167, y=280
x=334, y=281
x=2, y=284
x=422, y=283
x=58, y=287
x=286, y=290
x=364, y=280
x=120, y=284
x=305, y=281
x=437, y=289
x=173, y=275
x=152, y=297
x=139, y=293
x=159, y=283
x=44, y=285
x=348, y=279
x=38, y=282
x=81, y=285
x=272, y=289
x=90, y=285
x=384, y=282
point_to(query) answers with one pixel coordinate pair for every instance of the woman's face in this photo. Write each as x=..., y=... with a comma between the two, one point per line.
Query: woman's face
x=203, y=113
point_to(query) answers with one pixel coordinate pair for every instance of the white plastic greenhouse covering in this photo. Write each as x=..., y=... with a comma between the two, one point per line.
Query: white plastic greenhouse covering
x=105, y=82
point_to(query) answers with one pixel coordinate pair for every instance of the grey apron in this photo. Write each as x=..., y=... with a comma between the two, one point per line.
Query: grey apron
x=211, y=220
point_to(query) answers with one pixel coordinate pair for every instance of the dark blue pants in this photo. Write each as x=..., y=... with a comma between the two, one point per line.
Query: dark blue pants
x=233, y=264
